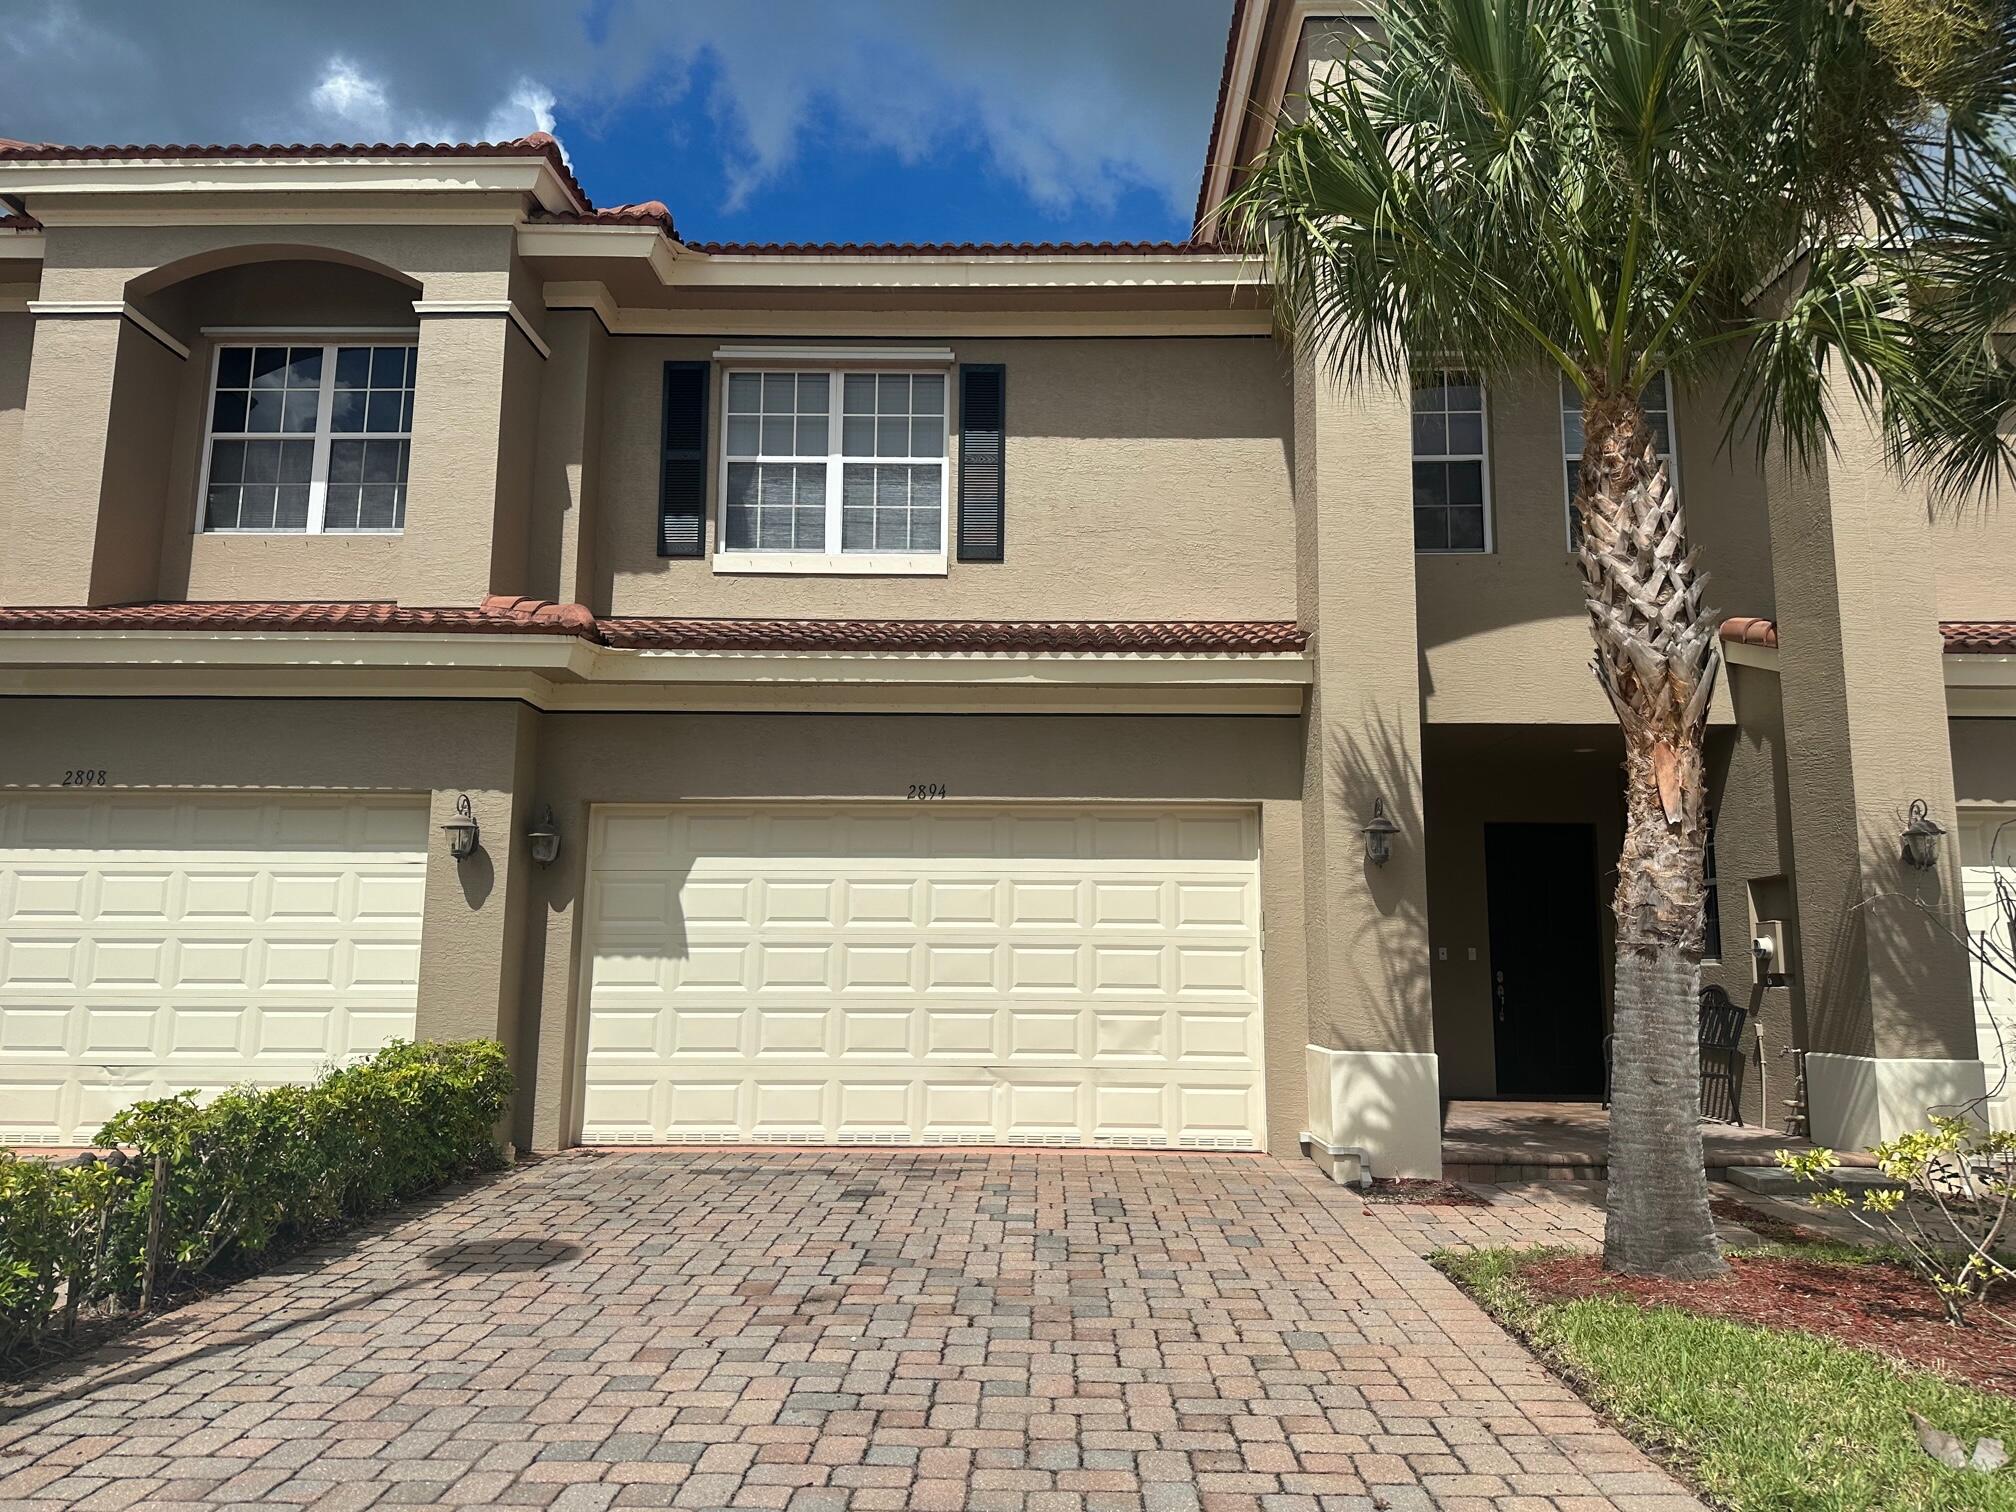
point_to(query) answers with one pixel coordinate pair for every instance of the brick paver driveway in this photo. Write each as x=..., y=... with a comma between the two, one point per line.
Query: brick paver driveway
x=864, y=1329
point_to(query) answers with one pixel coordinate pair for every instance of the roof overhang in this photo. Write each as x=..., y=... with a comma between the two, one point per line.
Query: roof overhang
x=565, y=673
x=1980, y=684
x=40, y=180
x=1259, y=56
x=678, y=265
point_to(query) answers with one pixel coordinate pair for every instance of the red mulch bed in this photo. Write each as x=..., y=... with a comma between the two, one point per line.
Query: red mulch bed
x=1876, y=1306
x=1422, y=1192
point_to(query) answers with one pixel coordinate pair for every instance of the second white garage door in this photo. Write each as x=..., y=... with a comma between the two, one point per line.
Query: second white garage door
x=154, y=942
x=925, y=974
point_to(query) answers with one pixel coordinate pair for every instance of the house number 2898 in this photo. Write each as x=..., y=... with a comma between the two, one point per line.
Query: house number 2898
x=923, y=791
x=84, y=777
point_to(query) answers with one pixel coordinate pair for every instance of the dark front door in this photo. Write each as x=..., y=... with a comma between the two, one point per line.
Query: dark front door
x=1546, y=963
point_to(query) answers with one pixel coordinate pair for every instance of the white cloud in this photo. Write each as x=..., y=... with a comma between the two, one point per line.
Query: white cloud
x=350, y=100
x=1075, y=102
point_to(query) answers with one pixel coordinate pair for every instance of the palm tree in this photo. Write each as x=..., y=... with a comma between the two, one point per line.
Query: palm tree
x=1616, y=189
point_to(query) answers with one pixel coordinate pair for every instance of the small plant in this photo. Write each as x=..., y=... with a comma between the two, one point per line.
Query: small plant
x=1949, y=1218
x=221, y=1183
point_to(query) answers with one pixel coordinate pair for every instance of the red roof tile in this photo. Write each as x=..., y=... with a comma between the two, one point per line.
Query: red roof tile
x=967, y=636
x=537, y=144
x=502, y=614
x=645, y=213
x=495, y=615
x=1980, y=637
x=1746, y=631
x=1962, y=637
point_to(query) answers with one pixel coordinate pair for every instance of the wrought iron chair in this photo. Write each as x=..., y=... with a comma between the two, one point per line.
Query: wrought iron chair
x=1722, y=1021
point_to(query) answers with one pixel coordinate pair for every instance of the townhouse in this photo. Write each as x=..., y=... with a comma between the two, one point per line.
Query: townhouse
x=896, y=694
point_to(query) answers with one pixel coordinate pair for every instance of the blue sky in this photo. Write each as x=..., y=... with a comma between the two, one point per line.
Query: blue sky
x=753, y=119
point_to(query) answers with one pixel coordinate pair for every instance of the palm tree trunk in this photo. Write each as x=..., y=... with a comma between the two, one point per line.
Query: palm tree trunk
x=1656, y=659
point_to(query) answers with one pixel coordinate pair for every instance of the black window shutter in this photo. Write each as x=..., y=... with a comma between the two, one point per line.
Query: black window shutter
x=682, y=480
x=983, y=406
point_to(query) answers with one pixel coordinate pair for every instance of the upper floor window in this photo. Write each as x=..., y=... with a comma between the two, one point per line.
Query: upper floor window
x=835, y=469
x=1658, y=403
x=1451, y=472
x=309, y=438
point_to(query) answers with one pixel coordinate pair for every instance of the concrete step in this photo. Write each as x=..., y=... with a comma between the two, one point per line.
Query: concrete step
x=1776, y=1181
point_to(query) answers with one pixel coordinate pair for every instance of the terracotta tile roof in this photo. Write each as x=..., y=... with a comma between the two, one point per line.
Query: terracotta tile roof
x=493, y=615
x=968, y=636
x=1962, y=637
x=502, y=614
x=955, y=249
x=1212, y=148
x=644, y=213
x=1980, y=637
x=538, y=144
x=1743, y=630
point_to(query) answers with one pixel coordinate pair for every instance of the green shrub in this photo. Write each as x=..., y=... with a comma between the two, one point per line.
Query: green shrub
x=250, y=1170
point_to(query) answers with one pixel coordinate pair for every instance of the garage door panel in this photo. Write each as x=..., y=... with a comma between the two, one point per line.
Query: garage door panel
x=923, y=975
x=176, y=942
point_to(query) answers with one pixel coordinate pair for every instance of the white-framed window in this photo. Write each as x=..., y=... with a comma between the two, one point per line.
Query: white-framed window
x=1452, y=471
x=832, y=470
x=1657, y=397
x=308, y=438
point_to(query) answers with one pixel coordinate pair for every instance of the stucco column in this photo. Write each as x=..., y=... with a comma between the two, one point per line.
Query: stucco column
x=95, y=437
x=1890, y=1021
x=1371, y=1058
x=475, y=418
x=565, y=476
x=472, y=930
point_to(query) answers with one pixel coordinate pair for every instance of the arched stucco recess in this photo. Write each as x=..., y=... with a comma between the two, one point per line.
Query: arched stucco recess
x=156, y=280
x=145, y=264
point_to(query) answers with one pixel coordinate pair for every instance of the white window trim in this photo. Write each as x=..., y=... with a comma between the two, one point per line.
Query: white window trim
x=1671, y=454
x=839, y=563
x=318, y=475
x=1483, y=457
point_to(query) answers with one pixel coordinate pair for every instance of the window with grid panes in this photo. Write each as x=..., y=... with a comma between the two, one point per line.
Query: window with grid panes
x=1451, y=479
x=827, y=463
x=309, y=438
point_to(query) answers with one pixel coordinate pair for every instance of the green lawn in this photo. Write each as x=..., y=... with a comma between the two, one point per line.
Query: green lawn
x=1758, y=1418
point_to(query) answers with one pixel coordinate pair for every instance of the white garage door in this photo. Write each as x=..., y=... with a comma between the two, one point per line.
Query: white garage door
x=925, y=974
x=156, y=944
x=1988, y=874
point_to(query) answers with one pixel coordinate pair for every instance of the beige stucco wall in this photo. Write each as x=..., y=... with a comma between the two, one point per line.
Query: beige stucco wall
x=1859, y=671
x=1145, y=479
x=17, y=340
x=201, y=565
x=1503, y=634
x=126, y=482
x=1754, y=857
x=1975, y=553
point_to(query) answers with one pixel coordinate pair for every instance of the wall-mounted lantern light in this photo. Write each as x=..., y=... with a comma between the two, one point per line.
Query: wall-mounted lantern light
x=1379, y=834
x=462, y=830
x=543, y=839
x=1921, y=837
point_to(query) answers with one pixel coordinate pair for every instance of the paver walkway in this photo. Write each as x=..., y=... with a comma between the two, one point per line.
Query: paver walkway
x=1041, y=1331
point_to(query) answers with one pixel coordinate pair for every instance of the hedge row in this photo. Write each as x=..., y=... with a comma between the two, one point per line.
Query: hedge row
x=244, y=1173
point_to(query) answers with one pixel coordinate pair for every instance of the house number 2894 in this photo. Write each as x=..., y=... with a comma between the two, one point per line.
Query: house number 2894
x=924, y=791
